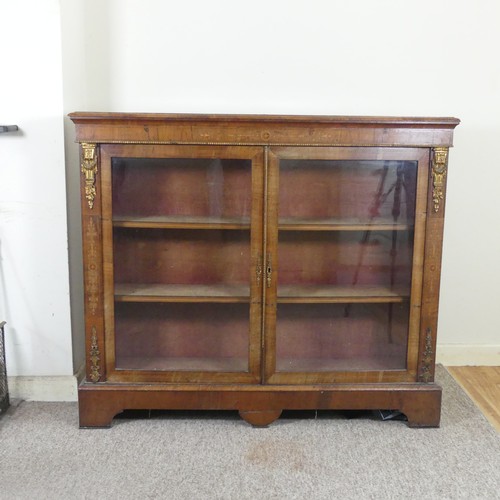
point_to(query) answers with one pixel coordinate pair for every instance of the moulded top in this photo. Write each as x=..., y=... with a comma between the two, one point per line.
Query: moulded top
x=273, y=130
x=447, y=122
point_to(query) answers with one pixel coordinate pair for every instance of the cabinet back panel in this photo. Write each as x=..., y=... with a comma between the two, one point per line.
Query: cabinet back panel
x=182, y=336
x=345, y=258
x=181, y=256
x=330, y=337
x=187, y=187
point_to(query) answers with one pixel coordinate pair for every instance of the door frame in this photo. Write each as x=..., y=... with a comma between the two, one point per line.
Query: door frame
x=276, y=154
x=255, y=155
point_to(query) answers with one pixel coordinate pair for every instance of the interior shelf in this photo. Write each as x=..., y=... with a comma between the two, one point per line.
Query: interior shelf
x=285, y=224
x=340, y=224
x=241, y=293
x=181, y=221
x=181, y=293
x=163, y=363
x=341, y=294
x=341, y=364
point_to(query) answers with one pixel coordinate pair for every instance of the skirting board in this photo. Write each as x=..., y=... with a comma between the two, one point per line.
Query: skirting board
x=468, y=355
x=62, y=388
x=65, y=388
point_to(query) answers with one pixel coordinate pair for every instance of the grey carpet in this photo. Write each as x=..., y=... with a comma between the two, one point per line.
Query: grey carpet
x=43, y=454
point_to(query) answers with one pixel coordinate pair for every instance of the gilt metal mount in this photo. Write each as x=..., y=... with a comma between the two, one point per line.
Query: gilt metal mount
x=427, y=358
x=95, y=357
x=439, y=160
x=89, y=170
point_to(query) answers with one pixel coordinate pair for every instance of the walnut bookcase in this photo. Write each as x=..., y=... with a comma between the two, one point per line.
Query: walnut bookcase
x=261, y=263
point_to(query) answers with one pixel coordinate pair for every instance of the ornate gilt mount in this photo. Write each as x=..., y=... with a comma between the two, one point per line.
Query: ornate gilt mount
x=439, y=159
x=89, y=170
x=427, y=359
x=95, y=357
x=258, y=272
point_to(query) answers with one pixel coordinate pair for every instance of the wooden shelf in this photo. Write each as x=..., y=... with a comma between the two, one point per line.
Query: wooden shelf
x=287, y=294
x=181, y=222
x=160, y=363
x=333, y=294
x=339, y=224
x=181, y=293
x=357, y=364
x=285, y=224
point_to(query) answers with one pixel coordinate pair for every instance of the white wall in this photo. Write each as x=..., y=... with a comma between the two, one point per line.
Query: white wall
x=34, y=293
x=427, y=58
x=74, y=73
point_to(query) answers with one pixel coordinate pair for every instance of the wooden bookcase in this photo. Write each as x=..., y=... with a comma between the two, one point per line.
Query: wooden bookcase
x=261, y=263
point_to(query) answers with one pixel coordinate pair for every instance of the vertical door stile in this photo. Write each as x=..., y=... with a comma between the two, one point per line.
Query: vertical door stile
x=256, y=337
x=269, y=285
x=418, y=263
x=108, y=265
x=264, y=267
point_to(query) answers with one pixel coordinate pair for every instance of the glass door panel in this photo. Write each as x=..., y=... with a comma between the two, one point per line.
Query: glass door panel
x=345, y=258
x=323, y=337
x=347, y=193
x=184, y=302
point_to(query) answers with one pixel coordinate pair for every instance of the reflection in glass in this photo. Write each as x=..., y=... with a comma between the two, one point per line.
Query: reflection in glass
x=347, y=191
x=345, y=255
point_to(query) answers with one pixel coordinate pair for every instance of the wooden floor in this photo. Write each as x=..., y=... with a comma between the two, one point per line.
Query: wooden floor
x=482, y=384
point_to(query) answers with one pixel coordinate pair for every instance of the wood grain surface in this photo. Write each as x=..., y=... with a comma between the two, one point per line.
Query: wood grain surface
x=482, y=384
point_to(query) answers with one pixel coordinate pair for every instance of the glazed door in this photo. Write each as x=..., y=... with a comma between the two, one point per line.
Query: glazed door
x=345, y=250
x=182, y=226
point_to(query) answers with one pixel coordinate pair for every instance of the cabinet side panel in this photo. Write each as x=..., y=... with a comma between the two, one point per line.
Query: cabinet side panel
x=432, y=263
x=92, y=262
